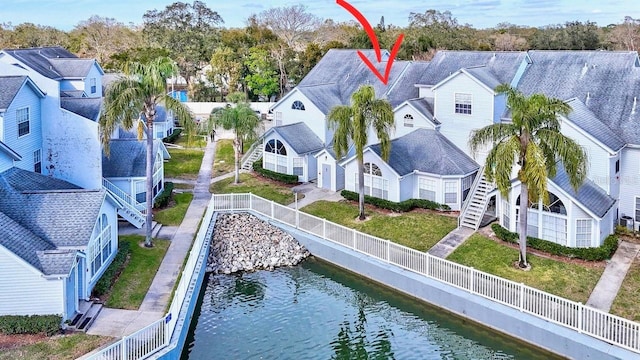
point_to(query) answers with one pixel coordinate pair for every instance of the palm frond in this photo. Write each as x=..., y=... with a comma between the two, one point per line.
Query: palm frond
x=491, y=134
x=339, y=119
x=534, y=173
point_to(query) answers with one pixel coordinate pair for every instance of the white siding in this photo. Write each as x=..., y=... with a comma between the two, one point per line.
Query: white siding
x=24, y=145
x=310, y=170
x=629, y=181
x=351, y=171
x=26, y=291
x=419, y=121
x=311, y=116
x=5, y=162
x=406, y=187
x=457, y=127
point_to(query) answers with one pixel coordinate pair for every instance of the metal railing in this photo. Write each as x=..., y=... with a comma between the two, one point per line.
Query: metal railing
x=574, y=315
x=123, y=196
x=256, y=146
x=472, y=191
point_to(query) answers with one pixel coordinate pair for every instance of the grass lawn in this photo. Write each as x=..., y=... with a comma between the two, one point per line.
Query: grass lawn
x=173, y=215
x=134, y=281
x=250, y=183
x=224, y=158
x=184, y=164
x=56, y=348
x=416, y=229
x=627, y=302
x=571, y=281
x=195, y=141
x=183, y=186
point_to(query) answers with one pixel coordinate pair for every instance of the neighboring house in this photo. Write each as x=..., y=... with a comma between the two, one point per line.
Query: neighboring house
x=438, y=104
x=56, y=240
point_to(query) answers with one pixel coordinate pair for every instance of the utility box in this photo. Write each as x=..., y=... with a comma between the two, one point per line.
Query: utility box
x=627, y=221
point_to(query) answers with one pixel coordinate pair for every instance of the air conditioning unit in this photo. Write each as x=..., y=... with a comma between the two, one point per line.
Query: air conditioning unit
x=627, y=221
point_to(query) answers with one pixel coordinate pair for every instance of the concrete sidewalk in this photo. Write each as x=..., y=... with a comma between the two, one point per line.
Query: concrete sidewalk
x=118, y=323
x=313, y=193
x=606, y=289
x=451, y=241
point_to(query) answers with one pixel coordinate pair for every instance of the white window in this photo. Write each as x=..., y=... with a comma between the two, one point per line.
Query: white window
x=278, y=116
x=92, y=83
x=637, y=208
x=408, y=120
x=532, y=223
x=37, y=161
x=297, y=105
x=22, y=117
x=374, y=184
x=506, y=213
x=583, y=232
x=450, y=192
x=427, y=189
x=554, y=229
x=298, y=168
x=463, y=103
x=281, y=164
x=270, y=161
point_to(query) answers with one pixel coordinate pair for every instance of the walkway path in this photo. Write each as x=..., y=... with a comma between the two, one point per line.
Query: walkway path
x=451, y=241
x=118, y=323
x=607, y=287
x=313, y=193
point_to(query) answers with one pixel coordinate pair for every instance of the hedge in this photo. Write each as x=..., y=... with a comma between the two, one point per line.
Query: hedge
x=109, y=276
x=163, y=199
x=284, y=178
x=173, y=137
x=402, y=206
x=30, y=324
x=591, y=254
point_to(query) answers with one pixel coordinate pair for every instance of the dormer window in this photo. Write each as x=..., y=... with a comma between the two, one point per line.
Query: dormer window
x=463, y=103
x=297, y=105
x=408, y=120
x=92, y=82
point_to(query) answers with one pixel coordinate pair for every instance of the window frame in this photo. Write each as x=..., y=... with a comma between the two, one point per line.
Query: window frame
x=408, y=120
x=298, y=105
x=429, y=186
x=589, y=233
x=298, y=166
x=463, y=103
x=92, y=85
x=449, y=193
x=27, y=121
x=37, y=161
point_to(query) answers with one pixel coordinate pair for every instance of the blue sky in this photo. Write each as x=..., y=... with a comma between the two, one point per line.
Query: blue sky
x=65, y=14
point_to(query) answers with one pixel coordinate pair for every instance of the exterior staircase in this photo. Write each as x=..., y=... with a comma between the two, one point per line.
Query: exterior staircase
x=474, y=206
x=251, y=156
x=86, y=315
x=132, y=211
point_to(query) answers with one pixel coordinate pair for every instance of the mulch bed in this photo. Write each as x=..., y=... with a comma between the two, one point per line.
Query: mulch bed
x=14, y=341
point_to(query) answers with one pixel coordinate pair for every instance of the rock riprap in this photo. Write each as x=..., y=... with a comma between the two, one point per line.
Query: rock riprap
x=242, y=242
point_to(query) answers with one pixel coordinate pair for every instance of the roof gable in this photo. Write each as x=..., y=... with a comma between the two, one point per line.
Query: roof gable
x=127, y=158
x=586, y=120
x=299, y=136
x=480, y=75
x=589, y=195
x=10, y=87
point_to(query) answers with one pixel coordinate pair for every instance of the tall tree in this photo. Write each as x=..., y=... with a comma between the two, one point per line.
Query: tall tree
x=533, y=142
x=101, y=37
x=263, y=76
x=188, y=31
x=134, y=97
x=240, y=118
x=292, y=24
x=352, y=124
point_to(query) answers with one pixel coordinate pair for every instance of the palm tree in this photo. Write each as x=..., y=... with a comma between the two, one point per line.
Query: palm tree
x=242, y=120
x=352, y=124
x=532, y=141
x=134, y=97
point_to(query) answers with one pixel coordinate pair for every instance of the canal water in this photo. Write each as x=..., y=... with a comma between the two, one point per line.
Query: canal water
x=318, y=311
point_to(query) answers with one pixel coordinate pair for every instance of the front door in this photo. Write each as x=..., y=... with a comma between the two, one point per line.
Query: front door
x=326, y=176
x=71, y=292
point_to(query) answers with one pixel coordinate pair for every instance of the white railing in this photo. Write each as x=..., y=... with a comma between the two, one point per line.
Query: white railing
x=472, y=190
x=123, y=196
x=571, y=314
x=156, y=336
x=256, y=146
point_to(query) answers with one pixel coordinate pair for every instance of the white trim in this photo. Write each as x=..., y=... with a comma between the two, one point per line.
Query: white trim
x=23, y=261
x=590, y=137
x=463, y=71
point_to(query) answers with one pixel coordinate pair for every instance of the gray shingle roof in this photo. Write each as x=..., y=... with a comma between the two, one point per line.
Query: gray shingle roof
x=85, y=107
x=425, y=107
x=427, y=151
x=610, y=80
x=73, y=68
x=9, y=87
x=301, y=139
x=587, y=120
x=589, y=194
x=53, y=62
x=52, y=209
x=503, y=64
x=404, y=88
x=36, y=251
x=484, y=75
x=127, y=158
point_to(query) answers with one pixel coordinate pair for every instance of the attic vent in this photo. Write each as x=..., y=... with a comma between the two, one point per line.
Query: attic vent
x=586, y=102
x=633, y=109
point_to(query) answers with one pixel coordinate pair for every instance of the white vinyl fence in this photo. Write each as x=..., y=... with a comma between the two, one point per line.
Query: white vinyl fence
x=156, y=336
x=576, y=316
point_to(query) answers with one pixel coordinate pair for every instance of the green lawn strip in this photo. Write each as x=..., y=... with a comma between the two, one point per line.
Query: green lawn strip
x=173, y=215
x=416, y=229
x=183, y=186
x=627, y=304
x=568, y=280
x=224, y=158
x=59, y=347
x=250, y=183
x=134, y=281
x=194, y=141
x=184, y=164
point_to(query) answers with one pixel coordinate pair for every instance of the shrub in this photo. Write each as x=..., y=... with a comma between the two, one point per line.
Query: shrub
x=163, y=199
x=284, y=178
x=30, y=324
x=402, y=206
x=173, y=137
x=591, y=254
x=109, y=276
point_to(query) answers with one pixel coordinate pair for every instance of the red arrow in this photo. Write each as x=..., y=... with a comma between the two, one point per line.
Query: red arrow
x=374, y=41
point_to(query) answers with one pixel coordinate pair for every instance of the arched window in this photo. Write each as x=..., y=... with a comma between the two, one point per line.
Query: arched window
x=372, y=169
x=408, y=120
x=275, y=147
x=555, y=205
x=297, y=105
x=374, y=184
x=546, y=221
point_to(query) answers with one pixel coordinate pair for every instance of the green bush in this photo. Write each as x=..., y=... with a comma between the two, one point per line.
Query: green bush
x=30, y=324
x=109, y=276
x=591, y=254
x=402, y=206
x=173, y=137
x=284, y=178
x=163, y=199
